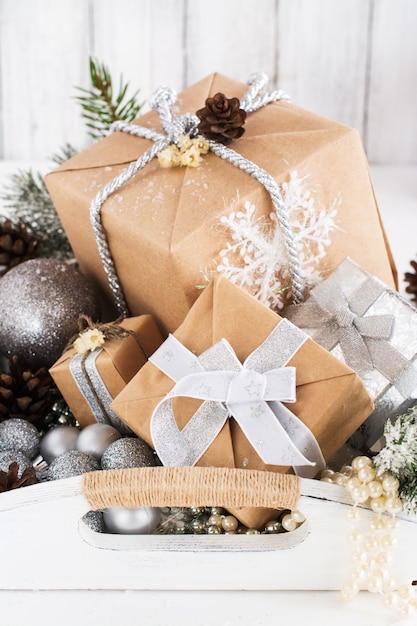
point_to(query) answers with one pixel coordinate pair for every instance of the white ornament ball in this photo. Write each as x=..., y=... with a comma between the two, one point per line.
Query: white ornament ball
x=96, y=438
x=131, y=521
x=57, y=441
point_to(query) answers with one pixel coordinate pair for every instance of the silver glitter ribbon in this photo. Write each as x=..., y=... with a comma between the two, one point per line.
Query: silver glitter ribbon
x=83, y=369
x=364, y=341
x=163, y=101
x=252, y=393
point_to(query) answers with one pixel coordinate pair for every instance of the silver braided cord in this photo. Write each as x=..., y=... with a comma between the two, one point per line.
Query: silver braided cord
x=162, y=101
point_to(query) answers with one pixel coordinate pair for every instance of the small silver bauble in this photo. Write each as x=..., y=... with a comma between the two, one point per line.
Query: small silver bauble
x=94, y=521
x=19, y=434
x=57, y=441
x=72, y=463
x=136, y=521
x=96, y=438
x=128, y=452
x=8, y=456
x=40, y=303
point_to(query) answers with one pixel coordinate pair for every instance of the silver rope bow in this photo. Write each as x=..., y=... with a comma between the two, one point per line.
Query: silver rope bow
x=363, y=340
x=162, y=101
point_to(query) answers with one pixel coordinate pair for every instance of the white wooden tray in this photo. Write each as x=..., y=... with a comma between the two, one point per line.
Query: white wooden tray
x=45, y=545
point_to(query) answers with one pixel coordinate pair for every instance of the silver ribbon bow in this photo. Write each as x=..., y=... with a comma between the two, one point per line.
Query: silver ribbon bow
x=163, y=101
x=252, y=393
x=364, y=341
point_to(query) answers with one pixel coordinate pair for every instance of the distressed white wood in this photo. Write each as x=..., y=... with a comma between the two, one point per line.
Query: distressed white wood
x=392, y=112
x=51, y=512
x=322, y=56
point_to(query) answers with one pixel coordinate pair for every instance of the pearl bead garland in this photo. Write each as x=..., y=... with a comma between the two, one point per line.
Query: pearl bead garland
x=371, y=547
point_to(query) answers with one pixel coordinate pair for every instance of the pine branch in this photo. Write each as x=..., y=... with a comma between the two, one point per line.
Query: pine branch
x=100, y=107
x=66, y=152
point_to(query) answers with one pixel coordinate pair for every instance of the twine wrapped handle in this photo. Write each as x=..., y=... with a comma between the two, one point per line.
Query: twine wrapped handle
x=191, y=486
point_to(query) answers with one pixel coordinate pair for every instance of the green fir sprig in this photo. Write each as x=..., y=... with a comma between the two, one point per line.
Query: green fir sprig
x=102, y=104
x=399, y=456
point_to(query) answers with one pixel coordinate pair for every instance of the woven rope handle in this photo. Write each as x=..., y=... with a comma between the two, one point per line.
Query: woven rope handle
x=191, y=486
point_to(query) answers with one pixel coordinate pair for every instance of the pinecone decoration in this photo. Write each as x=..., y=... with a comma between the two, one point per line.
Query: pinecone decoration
x=221, y=119
x=24, y=392
x=10, y=480
x=16, y=245
x=411, y=278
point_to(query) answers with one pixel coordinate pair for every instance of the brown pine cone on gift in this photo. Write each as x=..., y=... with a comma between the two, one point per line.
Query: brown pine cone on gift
x=10, y=480
x=411, y=278
x=24, y=393
x=16, y=245
x=221, y=119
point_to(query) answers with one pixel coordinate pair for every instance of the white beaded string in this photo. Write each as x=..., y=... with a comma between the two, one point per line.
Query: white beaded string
x=371, y=549
x=162, y=101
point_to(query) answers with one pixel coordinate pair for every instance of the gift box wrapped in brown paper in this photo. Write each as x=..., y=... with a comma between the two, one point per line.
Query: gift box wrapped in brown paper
x=89, y=382
x=330, y=398
x=163, y=226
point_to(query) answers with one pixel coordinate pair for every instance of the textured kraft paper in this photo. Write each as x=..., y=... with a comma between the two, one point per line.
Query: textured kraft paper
x=118, y=362
x=163, y=226
x=331, y=398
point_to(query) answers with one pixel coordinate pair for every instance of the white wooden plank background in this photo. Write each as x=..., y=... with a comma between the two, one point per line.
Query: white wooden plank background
x=351, y=60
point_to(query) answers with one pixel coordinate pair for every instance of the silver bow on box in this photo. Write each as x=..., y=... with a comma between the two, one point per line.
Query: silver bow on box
x=252, y=392
x=373, y=330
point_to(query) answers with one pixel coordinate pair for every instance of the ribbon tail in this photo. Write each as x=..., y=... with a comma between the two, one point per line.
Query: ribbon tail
x=394, y=366
x=264, y=430
x=185, y=447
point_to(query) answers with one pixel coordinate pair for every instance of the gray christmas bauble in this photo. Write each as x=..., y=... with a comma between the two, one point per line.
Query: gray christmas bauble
x=8, y=456
x=94, y=439
x=18, y=434
x=40, y=303
x=72, y=463
x=136, y=521
x=57, y=441
x=128, y=452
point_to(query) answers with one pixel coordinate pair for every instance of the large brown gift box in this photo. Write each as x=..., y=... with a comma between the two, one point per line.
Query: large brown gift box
x=109, y=369
x=330, y=398
x=163, y=226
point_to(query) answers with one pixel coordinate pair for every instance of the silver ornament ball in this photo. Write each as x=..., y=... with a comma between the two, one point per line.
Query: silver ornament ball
x=57, y=441
x=40, y=303
x=128, y=452
x=19, y=434
x=96, y=438
x=72, y=463
x=131, y=521
x=9, y=456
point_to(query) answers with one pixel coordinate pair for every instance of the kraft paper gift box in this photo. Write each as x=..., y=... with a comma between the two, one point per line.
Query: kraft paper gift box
x=90, y=382
x=330, y=398
x=369, y=326
x=163, y=226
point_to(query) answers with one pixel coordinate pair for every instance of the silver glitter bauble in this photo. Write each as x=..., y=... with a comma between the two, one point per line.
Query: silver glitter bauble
x=8, y=456
x=94, y=521
x=18, y=434
x=57, y=441
x=129, y=452
x=40, y=303
x=96, y=438
x=126, y=521
x=72, y=463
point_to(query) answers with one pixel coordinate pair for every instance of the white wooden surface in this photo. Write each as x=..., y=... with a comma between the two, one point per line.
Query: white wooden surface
x=351, y=60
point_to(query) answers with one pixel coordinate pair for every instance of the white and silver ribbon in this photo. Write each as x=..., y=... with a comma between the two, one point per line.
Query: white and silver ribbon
x=364, y=340
x=252, y=393
x=163, y=101
x=83, y=368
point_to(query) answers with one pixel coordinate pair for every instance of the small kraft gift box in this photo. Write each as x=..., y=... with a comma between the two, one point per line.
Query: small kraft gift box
x=225, y=328
x=149, y=234
x=89, y=380
x=371, y=328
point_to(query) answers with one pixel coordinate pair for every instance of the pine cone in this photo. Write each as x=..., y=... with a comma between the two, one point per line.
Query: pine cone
x=411, y=278
x=222, y=118
x=10, y=480
x=24, y=393
x=16, y=245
